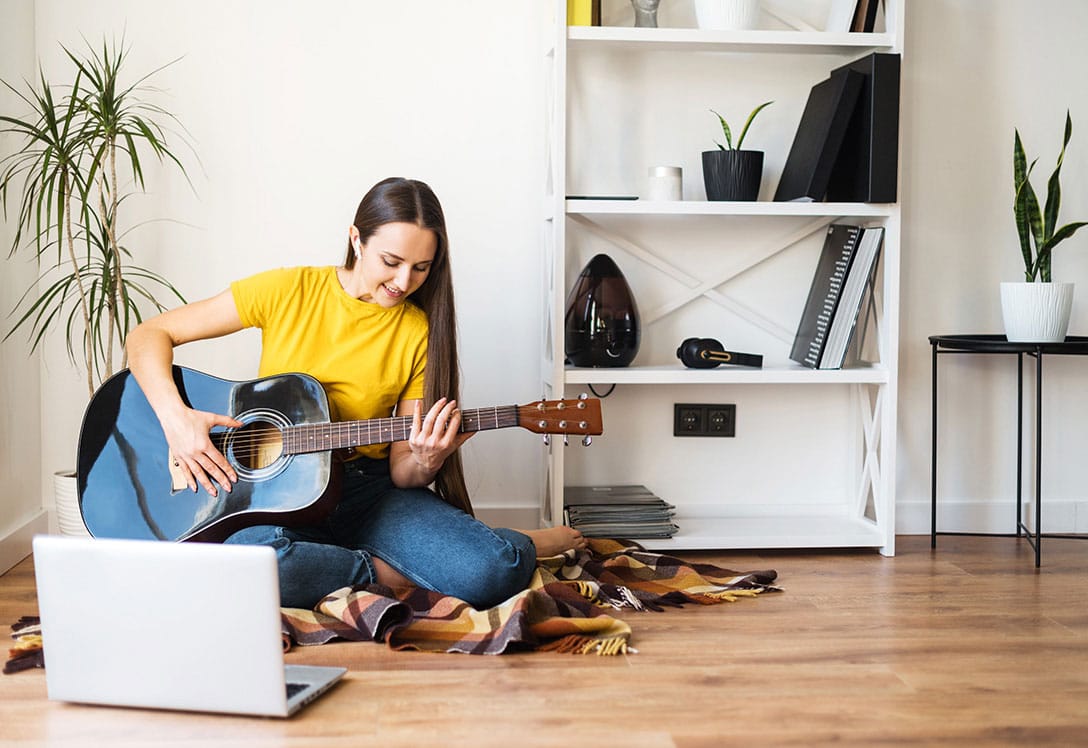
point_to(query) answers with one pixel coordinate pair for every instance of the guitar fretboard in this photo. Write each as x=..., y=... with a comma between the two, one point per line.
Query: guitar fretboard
x=323, y=437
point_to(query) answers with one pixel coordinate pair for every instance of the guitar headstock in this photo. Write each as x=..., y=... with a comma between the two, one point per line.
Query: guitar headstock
x=579, y=417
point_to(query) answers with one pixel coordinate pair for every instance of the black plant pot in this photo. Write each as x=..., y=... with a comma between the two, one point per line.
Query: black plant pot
x=602, y=325
x=732, y=175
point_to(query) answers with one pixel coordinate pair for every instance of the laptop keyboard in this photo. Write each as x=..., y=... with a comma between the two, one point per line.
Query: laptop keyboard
x=294, y=688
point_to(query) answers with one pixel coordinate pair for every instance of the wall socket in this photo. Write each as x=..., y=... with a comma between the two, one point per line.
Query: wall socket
x=692, y=419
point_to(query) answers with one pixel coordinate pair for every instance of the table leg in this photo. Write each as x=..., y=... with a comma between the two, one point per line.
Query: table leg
x=1038, y=456
x=933, y=459
x=1019, y=442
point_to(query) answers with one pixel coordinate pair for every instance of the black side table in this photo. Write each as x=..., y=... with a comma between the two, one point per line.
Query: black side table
x=997, y=344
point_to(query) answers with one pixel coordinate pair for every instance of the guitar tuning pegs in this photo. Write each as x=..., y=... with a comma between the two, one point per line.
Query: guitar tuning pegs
x=587, y=440
x=583, y=396
x=547, y=440
x=566, y=440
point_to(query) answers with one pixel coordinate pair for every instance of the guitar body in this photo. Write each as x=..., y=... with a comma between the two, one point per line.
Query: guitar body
x=127, y=490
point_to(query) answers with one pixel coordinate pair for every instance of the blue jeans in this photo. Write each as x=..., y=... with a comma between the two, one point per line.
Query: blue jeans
x=437, y=546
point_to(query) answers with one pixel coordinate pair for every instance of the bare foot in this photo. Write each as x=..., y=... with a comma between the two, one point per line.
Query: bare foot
x=552, y=541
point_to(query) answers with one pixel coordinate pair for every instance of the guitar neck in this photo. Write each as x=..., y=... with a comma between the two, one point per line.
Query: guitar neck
x=324, y=437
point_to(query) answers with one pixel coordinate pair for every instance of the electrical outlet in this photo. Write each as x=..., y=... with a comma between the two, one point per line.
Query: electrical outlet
x=721, y=420
x=688, y=420
x=692, y=419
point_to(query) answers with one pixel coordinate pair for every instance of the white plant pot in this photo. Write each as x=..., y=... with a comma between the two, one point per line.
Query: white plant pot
x=1036, y=312
x=69, y=518
x=727, y=14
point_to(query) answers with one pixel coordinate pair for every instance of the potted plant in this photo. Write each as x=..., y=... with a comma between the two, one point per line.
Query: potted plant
x=1037, y=309
x=77, y=161
x=730, y=173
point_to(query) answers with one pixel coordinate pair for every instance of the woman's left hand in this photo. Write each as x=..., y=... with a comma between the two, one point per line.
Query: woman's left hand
x=436, y=436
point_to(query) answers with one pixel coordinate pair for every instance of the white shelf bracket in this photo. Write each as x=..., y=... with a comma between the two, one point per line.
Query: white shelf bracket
x=697, y=288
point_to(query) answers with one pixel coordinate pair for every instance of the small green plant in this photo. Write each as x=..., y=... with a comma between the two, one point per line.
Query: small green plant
x=1038, y=230
x=729, y=133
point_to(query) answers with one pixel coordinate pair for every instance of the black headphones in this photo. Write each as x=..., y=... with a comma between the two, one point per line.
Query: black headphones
x=706, y=353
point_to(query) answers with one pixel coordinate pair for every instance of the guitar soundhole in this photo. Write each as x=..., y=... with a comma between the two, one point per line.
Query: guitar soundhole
x=257, y=450
x=257, y=445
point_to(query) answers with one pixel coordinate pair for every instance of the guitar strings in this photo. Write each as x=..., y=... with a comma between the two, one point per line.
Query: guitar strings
x=247, y=442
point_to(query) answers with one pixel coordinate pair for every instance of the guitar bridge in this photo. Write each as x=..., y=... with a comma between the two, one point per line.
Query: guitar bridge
x=177, y=477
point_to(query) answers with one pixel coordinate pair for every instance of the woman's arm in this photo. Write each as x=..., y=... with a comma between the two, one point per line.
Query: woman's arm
x=150, y=349
x=414, y=463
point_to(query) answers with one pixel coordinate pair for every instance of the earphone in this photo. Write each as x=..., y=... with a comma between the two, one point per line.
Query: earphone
x=358, y=248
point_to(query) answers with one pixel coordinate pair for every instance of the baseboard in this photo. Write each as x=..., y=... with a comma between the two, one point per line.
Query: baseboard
x=518, y=517
x=998, y=516
x=15, y=546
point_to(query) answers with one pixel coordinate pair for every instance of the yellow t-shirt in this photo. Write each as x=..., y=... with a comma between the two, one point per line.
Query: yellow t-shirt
x=366, y=357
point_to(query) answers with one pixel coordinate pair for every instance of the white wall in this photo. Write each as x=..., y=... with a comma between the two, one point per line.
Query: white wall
x=20, y=410
x=295, y=109
x=973, y=72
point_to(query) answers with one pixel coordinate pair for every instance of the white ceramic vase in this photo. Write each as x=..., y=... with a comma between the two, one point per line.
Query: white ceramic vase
x=1036, y=312
x=69, y=518
x=727, y=14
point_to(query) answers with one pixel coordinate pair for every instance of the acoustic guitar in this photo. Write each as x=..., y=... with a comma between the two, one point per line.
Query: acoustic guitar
x=283, y=454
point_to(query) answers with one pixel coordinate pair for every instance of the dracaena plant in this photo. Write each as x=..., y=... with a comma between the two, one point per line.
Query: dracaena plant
x=728, y=133
x=1038, y=230
x=77, y=161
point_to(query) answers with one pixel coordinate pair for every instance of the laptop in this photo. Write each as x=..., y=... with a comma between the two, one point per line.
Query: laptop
x=189, y=626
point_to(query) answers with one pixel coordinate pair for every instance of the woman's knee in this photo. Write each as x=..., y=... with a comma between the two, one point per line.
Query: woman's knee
x=506, y=570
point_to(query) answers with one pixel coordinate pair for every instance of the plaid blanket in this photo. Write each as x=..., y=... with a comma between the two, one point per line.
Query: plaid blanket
x=26, y=653
x=565, y=608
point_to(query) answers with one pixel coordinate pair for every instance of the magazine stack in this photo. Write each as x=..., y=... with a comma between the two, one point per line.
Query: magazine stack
x=618, y=512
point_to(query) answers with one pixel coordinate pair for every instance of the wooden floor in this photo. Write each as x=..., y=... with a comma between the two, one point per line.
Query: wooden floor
x=969, y=645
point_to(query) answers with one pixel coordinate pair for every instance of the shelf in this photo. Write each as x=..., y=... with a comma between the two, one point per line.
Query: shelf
x=747, y=42
x=677, y=374
x=794, y=531
x=598, y=73
x=726, y=208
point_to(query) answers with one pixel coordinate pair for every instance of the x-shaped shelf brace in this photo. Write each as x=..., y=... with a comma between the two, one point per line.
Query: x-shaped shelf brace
x=870, y=408
x=869, y=405
x=743, y=260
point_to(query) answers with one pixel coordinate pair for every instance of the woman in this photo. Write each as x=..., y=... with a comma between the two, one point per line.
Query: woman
x=379, y=333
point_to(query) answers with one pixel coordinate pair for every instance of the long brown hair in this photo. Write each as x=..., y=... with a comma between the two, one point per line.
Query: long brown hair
x=399, y=200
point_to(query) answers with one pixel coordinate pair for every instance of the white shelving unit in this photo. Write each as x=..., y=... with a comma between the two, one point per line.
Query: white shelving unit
x=861, y=510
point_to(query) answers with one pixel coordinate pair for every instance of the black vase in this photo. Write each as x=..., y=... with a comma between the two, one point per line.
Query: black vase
x=732, y=175
x=602, y=326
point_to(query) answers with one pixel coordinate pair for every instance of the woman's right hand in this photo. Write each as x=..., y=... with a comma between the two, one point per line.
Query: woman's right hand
x=150, y=346
x=192, y=450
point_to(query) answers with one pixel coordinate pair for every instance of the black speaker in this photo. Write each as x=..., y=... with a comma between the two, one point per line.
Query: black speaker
x=602, y=324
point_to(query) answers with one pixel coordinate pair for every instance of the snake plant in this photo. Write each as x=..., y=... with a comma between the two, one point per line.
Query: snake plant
x=729, y=133
x=1038, y=231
